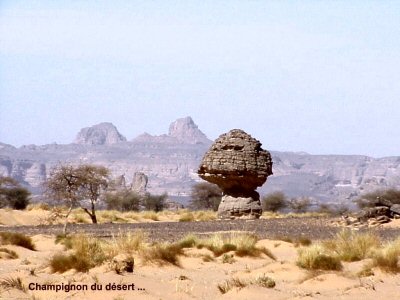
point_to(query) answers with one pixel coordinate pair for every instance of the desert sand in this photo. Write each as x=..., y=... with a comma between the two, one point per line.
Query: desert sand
x=196, y=279
x=193, y=279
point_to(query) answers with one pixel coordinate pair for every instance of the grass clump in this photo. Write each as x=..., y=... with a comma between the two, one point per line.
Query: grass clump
x=388, y=257
x=127, y=243
x=228, y=258
x=189, y=241
x=12, y=283
x=187, y=217
x=243, y=244
x=87, y=253
x=317, y=258
x=151, y=215
x=10, y=254
x=163, y=254
x=350, y=246
x=264, y=281
x=229, y=284
x=18, y=239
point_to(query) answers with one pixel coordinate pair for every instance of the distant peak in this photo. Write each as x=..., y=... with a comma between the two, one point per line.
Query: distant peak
x=185, y=130
x=101, y=134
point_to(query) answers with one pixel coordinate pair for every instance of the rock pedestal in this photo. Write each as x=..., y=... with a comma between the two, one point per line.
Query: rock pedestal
x=238, y=165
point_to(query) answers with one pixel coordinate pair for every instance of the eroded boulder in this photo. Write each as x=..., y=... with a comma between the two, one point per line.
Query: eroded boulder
x=238, y=165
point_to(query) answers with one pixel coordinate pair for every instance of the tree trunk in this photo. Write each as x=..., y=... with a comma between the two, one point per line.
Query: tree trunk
x=66, y=220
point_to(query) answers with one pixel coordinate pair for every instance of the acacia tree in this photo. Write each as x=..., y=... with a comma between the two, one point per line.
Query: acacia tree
x=205, y=196
x=74, y=185
x=12, y=193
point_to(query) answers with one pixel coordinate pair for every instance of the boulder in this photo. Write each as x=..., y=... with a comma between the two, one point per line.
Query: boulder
x=372, y=212
x=395, y=209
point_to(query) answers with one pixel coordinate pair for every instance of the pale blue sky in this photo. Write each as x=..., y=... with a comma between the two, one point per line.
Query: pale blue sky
x=315, y=76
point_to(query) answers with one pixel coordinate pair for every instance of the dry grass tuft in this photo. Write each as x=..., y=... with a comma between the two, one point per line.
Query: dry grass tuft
x=243, y=244
x=10, y=254
x=12, y=283
x=317, y=258
x=163, y=254
x=229, y=284
x=18, y=239
x=264, y=281
x=126, y=243
x=350, y=246
x=388, y=257
x=187, y=217
x=87, y=253
x=150, y=215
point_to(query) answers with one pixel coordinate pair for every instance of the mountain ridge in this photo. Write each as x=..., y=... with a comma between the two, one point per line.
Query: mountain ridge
x=171, y=162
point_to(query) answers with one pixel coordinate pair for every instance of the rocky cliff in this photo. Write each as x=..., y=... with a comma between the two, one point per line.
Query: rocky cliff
x=171, y=161
x=100, y=134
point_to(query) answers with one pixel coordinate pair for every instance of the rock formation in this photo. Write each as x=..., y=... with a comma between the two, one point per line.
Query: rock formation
x=185, y=130
x=238, y=165
x=100, y=134
x=139, y=183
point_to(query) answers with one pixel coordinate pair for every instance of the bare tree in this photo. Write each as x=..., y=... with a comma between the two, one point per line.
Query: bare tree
x=75, y=185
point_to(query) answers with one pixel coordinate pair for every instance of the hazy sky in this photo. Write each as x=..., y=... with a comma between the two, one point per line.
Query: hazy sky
x=315, y=76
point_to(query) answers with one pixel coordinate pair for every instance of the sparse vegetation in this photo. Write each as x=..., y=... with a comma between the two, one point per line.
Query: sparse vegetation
x=264, y=281
x=228, y=258
x=388, y=257
x=299, y=205
x=18, y=239
x=163, y=254
x=205, y=195
x=123, y=201
x=155, y=203
x=11, y=254
x=316, y=257
x=76, y=184
x=369, y=199
x=230, y=284
x=12, y=194
x=350, y=246
x=87, y=253
x=274, y=202
x=12, y=283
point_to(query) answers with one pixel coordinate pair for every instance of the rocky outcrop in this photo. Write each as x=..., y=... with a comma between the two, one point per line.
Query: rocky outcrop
x=185, y=130
x=382, y=212
x=139, y=183
x=100, y=134
x=238, y=165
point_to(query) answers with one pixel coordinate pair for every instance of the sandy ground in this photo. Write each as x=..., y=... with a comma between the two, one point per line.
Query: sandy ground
x=196, y=279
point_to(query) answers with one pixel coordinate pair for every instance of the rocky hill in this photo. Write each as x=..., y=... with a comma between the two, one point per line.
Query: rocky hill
x=171, y=161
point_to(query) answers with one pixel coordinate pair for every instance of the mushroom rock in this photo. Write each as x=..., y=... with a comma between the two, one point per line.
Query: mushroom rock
x=238, y=165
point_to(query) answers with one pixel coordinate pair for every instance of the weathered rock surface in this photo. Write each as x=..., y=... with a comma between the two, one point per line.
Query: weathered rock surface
x=185, y=130
x=100, y=134
x=238, y=165
x=139, y=183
